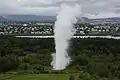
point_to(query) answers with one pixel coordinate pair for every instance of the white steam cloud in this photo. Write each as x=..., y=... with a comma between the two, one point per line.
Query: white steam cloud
x=63, y=30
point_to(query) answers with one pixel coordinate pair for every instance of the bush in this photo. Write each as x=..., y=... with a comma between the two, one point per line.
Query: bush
x=8, y=62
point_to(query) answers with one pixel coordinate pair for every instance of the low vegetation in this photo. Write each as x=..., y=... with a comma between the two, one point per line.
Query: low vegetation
x=92, y=59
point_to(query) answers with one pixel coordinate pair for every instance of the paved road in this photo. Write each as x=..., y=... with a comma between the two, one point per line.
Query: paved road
x=107, y=37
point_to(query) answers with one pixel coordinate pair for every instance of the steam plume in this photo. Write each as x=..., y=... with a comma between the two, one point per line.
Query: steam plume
x=63, y=30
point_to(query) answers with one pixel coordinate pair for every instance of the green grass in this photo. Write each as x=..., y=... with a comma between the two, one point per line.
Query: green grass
x=34, y=77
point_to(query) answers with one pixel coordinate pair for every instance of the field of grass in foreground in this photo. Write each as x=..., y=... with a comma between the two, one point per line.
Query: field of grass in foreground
x=34, y=77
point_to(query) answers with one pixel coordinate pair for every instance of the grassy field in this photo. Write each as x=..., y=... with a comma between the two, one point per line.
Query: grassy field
x=34, y=77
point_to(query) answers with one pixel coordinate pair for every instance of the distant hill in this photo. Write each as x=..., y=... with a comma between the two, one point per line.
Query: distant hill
x=46, y=18
x=29, y=17
x=2, y=18
x=112, y=18
x=35, y=17
x=85, y=19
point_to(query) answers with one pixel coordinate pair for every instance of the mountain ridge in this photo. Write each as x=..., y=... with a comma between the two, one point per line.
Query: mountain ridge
x=44, y=18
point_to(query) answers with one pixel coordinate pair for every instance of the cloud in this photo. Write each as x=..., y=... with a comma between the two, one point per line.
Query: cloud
x=90, y=8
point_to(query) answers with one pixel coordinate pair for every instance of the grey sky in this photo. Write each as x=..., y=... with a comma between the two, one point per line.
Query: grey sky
x=90, y=8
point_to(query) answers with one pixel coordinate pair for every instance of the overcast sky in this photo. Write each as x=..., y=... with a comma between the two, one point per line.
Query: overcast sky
x=90, y=8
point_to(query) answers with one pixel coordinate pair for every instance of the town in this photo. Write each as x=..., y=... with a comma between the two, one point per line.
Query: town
x=47, y=28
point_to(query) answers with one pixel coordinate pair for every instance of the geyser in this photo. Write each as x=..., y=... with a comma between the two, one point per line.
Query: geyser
x=63, y=30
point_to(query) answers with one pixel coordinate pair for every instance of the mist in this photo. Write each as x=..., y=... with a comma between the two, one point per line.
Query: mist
x=64, y=30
